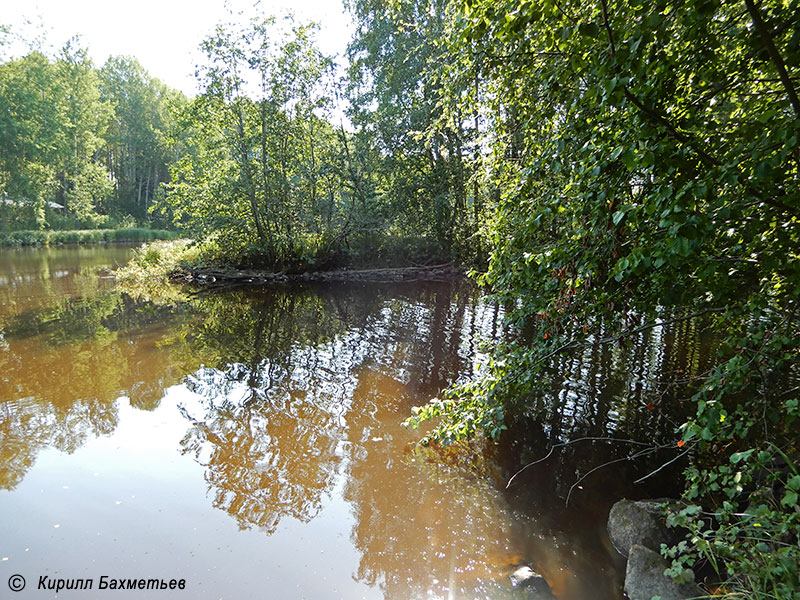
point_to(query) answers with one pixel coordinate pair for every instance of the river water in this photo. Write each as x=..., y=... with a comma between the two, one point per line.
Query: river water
x=250, y=442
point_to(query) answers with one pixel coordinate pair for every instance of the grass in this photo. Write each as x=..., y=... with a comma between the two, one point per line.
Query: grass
x=88, y=236
x=155, y=260
x=147, y=273
x=313, y=252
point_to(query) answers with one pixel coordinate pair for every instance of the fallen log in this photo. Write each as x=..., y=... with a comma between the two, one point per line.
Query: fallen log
x=223, y=277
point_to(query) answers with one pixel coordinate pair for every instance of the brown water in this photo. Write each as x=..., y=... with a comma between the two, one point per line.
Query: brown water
x=250, y=443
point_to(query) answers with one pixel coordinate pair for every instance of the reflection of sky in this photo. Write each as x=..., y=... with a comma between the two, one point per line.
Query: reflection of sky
x=129, y=505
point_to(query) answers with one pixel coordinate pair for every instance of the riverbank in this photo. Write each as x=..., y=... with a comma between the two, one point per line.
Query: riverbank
x=15, y=239
x=181, y=261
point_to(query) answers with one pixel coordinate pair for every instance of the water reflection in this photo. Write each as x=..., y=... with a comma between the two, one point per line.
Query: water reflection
x=635, y=392
x=425, y=528
x=317, y=393
x=291, y=401
x=70, y=347
x=33, y=278
x=275, y=423
x=28, y=426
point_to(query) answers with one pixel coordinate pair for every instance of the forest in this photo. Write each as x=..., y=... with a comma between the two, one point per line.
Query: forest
x=601, y=168
x=82, y=147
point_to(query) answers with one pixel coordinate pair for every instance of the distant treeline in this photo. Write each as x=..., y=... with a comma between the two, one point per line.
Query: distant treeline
x=85, y=236
x=80, y=146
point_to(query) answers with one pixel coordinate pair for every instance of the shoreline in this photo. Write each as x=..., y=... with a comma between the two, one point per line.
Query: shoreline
x=220, y=277
x=83, y=237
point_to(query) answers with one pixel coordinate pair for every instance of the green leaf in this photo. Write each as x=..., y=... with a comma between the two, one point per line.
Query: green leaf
x=737, y=457
x=629, y=160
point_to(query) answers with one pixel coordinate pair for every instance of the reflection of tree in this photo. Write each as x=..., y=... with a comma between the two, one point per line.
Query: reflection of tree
x=27, y=426
x=264, y=463
x=65, y=365
x=272, y=424
x=102, y=315
x=36, y=278
x=266, y=425
x=430, y=532
x=625, y=392
x=314, y=382
x=427, y=529
x=631, y=390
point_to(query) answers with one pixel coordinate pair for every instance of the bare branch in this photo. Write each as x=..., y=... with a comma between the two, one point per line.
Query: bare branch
x=582, y=439
x=662, y=467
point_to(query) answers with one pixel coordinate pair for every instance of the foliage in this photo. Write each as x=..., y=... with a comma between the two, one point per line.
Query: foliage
x=80, y=146
x=154, y=261
x=138, y=147
x=397, y=94
x=745, y=474
x=263, y=172
x=648, y=157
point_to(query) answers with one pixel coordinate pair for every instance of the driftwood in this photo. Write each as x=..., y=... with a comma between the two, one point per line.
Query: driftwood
x=210, y=276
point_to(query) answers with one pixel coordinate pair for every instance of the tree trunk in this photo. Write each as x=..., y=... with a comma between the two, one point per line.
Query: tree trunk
x=248, y=175
x=265, y=174
x=147, y=189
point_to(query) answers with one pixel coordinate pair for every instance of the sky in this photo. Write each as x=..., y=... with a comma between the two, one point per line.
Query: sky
x=164, y=35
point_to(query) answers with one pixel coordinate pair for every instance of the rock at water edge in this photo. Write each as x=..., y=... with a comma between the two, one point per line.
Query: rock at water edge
x=528, y=579
x=640, y=522
x=644, y=578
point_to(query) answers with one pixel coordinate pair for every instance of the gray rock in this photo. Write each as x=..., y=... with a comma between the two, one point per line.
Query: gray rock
x=641, y=523
x=644, y=578
x=536, y=585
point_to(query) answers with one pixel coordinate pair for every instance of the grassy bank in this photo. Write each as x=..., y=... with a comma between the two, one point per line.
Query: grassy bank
x=89, y=236
x=154, y=262
x=148, y=271
x=386, y=259
x=312, y=252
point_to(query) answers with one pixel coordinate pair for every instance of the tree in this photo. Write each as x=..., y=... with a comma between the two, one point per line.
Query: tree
x=85, y=184
x=396, y=76
x=30, y=136
x=261, y=173
x=78, y=143
x=648, y=155
x=136, y=152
